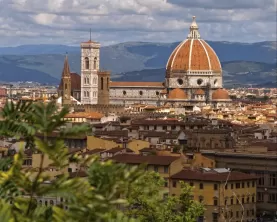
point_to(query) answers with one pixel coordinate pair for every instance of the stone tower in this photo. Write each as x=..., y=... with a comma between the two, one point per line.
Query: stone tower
x=90, y=52
x=104, y=87
x=66, y=83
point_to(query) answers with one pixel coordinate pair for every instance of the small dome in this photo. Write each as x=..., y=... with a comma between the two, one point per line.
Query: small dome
x=220, y=94
x=199, y=92
x=177, y=94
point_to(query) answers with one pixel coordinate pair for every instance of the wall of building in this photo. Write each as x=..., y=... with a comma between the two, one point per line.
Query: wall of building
x=96, y=143
x=207, y=195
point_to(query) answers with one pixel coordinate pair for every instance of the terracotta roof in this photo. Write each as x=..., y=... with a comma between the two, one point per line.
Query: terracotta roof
x=220, y=94
x=78, y=174
x=199, y=92
x=161, y=122
x=75, y=82
x=136, y=84
x=202, y=57
x=199, y=175
x=139, y=159
x=177, y=94
x=92, y=152
x=87, y=115
x=114, y=133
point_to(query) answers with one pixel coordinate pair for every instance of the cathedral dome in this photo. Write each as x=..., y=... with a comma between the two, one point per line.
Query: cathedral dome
x=193, y=54
x=220, y=94
x=177, y=94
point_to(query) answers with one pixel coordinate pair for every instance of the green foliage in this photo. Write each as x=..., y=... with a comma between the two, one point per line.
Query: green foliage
x=112, y=192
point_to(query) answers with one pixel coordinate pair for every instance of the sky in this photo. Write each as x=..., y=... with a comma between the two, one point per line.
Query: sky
x=114, y=21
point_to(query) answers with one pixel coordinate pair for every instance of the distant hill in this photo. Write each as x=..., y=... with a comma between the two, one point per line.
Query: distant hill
x=15, y=74
x=124, y=57
x=234, y=73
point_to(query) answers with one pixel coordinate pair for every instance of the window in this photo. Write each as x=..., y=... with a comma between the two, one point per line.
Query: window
x=273, y=179
x=180, y=81
x=108, y=82
x=51, y=202
x=140, y=93
x=46, y=203
x=165, y=169
x=215, y=187
x=260, y=196
x=95, y=63
x=165, y=196
x=201, y=186
x=237, y=185
x=87, y=80
x=215, y=217
x=102, y=83
x=232, y=186
x=253, y=183
x=247, y=199
x=226, y=186
x=164, y=127
x=261, y=178
x=157, y=93
x=86, y=63
x=253, y=199
x=273, y=197
x=237, y=214
x=174, y=183
x=191, y=184
x=94, y=81
x=226, y=202
x=242, y=185
x=156, y=168
x=248, y=184
x=242, y=200
x=199, y=81
x=201, y=199
x=232, y=201
x=253, y=212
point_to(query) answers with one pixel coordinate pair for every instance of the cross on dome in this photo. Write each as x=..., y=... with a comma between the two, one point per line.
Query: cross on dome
x=193, y=34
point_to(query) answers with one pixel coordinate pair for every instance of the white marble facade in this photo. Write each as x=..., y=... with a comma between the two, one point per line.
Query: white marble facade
x=90, y=52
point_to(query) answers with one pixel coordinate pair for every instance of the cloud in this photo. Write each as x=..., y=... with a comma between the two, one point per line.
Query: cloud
x=113, y=21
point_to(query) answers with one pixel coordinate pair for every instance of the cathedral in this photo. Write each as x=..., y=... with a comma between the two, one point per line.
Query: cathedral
x=193, y=78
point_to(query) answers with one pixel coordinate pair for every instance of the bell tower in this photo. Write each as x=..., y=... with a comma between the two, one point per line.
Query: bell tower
x=90, y=52
x=66, y=83
x=104, y=87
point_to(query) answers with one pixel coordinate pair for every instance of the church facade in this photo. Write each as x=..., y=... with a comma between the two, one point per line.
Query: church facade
x=193, y=77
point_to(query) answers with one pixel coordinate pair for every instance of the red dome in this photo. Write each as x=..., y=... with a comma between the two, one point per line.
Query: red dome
x=220, y=94
x=177, y=94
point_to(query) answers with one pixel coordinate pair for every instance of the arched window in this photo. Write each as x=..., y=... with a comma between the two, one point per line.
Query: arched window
x=87, y=80
x=94, y=81
x=51, y=202
x=95, y=63
x=65, y=86
x=86, y=63
x=40, y=202
x=102, y=83
x=108, y=81
x=46, y=203
x=87, y=93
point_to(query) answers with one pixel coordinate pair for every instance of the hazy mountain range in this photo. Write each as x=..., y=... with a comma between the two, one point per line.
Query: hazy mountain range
x=243, y=63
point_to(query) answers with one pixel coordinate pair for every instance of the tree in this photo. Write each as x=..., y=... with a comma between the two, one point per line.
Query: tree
x=143, y=197
x=112, y=191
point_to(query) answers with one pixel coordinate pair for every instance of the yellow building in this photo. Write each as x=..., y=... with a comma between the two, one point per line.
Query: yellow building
x=164, y=165
x=224, y=194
